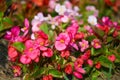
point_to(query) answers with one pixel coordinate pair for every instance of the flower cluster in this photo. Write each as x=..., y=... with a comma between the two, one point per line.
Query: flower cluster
x=60, y=46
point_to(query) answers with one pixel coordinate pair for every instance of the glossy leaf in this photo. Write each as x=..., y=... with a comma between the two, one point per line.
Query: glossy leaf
x=8, y=20
x=95, y=75
x=44, y=28
x=19, y=46
x=55, y=73
x=39, y=72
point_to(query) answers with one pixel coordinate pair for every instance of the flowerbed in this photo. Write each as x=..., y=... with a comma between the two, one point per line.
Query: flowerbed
x=64, y=46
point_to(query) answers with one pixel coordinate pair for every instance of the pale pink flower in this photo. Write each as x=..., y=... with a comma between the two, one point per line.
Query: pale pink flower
x=47, y=53
x=36, y=22
x=25, y=59
x=16, y=70
x=62, y=41
x=96, y=43
x=67, y=4
x=83, y=45
x=52, y=4
x=60, y=9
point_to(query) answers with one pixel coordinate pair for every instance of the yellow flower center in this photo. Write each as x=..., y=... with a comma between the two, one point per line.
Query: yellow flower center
x=62, y=41
x=31, y=49
x=41, y=43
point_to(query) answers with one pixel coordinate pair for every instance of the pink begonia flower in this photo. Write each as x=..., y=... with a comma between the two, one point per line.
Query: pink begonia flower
x=62, y=41
x=77, y=75
x=68, y=5
x=112, y=57
x=79, y=62
x=26, y=28
x=72, y=29
x=32, y=53
x=52, y=4
x=13, y=34
x=90, y=62
x=37, y=60
x=41, y=44
x=86, y=55
x=47, y=53
x=96, y=43
x=65, y=54
x=89, y=29
x=16, y=70
x=12, y=53
x=83, y=45
x=80, y=70
x=25, y=59
x=31, y=50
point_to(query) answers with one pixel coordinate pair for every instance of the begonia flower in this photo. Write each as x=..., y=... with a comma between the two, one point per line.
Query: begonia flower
x=62, y=41
x=83, y=45
x=92, y=20
x=16, y=70
x=96, y=43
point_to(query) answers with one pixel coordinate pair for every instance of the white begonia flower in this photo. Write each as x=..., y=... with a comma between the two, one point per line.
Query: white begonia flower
x=92, y=20
x=33, y=36
x=60, y=9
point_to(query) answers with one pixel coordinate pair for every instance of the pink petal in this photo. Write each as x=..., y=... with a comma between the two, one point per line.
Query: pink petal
x=25, y=59
x=60, y=46
x=78, y=75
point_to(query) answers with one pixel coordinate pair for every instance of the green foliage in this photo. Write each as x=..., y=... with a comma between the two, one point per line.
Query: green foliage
x=44, y=28
x=104, y=61
x=19, y=46
x=55, y=73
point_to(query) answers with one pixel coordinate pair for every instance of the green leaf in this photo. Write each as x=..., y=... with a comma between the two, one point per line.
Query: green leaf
x=19, y=46
x=44, y=28
x=90, y=38
x=1, y=15
x=109, y=39
x=92, y=51
x=111, y=31
x=51, y=35
x=8, y=20
x=38, y=72
x=55, y=73
x=95, y=75
x=104, y=61
x=65, y=77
